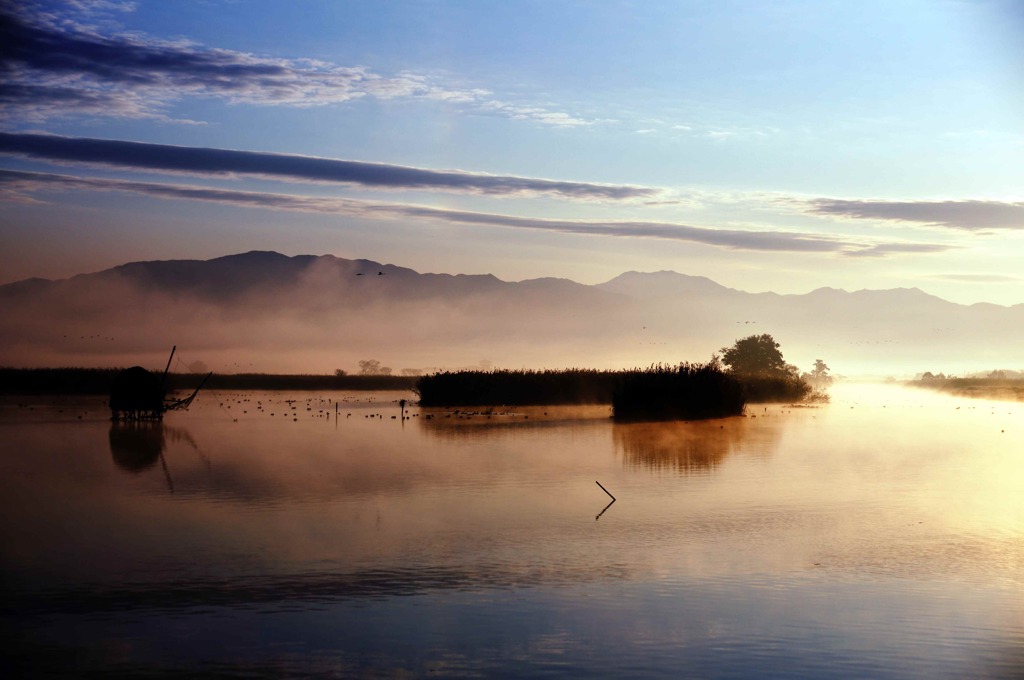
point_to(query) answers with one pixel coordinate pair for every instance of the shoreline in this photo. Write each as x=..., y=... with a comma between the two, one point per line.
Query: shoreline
x=974, y=388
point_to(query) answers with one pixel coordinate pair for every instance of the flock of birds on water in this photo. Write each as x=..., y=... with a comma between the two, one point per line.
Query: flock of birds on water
x=325, y=408
x=289, y=408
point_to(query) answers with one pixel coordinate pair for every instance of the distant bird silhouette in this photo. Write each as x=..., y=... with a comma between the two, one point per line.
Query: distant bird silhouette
x=359, y=274
x=380, y=273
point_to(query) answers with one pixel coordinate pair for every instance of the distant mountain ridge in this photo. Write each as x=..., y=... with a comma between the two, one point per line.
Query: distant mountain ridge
x=256, y=271
x=656, y=284
x=293, y=313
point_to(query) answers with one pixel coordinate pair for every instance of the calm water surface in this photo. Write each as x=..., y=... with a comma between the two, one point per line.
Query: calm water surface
x=257, y=535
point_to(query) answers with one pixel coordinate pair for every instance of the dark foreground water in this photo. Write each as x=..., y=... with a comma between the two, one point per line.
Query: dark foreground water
x=880, y=536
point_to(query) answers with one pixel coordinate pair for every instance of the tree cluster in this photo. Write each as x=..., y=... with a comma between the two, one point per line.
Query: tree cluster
x=373, y=367
x=757, y=355
x=758, y=363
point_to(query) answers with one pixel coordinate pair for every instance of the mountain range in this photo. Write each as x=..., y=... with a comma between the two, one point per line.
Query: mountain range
x=267, y=312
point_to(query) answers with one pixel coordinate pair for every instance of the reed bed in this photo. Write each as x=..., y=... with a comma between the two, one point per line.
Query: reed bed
x=771, y=389
x=517, y=387
x=686, y=391
x=683, y=392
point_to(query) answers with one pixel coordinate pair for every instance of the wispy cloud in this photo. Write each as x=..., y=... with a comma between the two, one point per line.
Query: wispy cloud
x=91, y=6
x=883, y=249
x=772, y=241
x=969, y=215
x=979, y=278
x=56, y=65
x=207, y=162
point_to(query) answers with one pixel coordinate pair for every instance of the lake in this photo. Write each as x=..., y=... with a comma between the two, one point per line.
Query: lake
x=260, y=535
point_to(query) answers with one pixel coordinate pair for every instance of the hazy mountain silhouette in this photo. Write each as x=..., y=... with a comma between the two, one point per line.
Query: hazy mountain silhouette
x=270, y=312
x=662, y=284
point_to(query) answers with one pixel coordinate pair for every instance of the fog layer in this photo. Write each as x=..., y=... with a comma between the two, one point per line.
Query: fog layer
x=266, y=312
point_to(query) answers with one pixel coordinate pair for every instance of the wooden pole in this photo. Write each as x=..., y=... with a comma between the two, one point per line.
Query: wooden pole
x=605, y=490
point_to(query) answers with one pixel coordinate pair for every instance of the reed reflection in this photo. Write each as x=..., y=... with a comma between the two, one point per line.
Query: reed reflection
x=691, y=447
x=471, y=424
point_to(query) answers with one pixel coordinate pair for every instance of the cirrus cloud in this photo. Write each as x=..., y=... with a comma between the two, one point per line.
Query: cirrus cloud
x=17, y=182
x=965, y=215
x=979, y=278
x=203, y=161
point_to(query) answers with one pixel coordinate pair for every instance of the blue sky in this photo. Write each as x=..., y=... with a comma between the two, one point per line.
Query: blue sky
x=770, y=146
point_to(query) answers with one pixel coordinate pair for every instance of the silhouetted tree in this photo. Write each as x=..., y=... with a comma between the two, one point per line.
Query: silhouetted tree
x=818, y=376
x=756, y=355
x=373, y=367
x=340, y=373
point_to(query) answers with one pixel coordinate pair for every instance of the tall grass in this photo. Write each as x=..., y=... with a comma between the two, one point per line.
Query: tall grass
x=766, y=389
x=687, y=391
x=517, y=388
x=683, y=392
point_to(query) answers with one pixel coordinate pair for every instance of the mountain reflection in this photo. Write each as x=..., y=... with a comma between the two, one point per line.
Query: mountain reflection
x=689, y=447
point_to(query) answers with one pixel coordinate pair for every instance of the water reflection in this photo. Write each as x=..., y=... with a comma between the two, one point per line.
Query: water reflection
x=468, y=424
x=732, y=547
x=138, y=445
x=280, y=592
x=691, y=447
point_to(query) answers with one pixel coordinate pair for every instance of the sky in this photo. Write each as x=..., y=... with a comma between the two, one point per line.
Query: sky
x=780, y=146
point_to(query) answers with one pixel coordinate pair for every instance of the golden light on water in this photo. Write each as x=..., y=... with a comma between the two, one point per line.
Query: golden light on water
x=902, y=505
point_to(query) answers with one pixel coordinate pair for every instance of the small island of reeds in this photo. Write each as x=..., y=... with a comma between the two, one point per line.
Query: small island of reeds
x=683, y=392
x=751, y=370
x=517, y=387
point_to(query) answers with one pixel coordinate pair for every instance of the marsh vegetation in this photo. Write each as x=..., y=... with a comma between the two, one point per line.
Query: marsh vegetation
x=683, y=392
x=1006, y=387
x=752, y=370
x=757, y=362
x=517, y=387
x=686, y=391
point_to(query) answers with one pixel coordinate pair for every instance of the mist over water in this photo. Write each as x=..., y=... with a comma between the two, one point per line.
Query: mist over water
x=876, y=536
x=264, y=312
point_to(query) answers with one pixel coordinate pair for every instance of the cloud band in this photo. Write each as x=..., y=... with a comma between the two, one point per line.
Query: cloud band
x=210, y=161
x=962, y=215
x=771, y=241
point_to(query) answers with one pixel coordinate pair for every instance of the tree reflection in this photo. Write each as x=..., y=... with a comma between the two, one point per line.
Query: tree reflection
x=686, y=447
